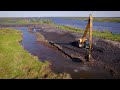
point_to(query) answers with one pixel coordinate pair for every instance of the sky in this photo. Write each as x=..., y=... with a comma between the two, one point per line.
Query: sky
x=59, y=13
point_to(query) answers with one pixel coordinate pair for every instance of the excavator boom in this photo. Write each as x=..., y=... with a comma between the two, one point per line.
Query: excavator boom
x=85, y=33
x=82, y=41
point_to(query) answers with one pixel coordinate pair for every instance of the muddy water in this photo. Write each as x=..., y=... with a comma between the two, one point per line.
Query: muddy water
x=60, y=63
x=37, y=48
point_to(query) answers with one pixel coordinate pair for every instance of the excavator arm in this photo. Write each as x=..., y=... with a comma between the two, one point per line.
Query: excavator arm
x=82, y=41
x=88, y=29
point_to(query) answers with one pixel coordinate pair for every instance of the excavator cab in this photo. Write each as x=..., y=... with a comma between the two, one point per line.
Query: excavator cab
x=84, y=44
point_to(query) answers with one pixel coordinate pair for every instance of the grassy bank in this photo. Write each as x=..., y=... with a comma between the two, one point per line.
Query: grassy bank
x=15, y=62
x=12, y=21
x=104, y=34
x=96, y=33
x=38, y=20
x=23, y=21
x=97, y=19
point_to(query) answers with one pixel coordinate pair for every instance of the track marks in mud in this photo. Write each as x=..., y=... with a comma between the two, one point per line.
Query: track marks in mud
x=70, y=56
x=103, y=51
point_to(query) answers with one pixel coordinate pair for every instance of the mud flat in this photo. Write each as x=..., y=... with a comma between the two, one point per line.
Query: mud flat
x=105, y=53
x=60, y=48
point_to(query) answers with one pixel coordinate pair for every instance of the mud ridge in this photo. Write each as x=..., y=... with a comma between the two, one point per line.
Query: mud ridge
x=74, y=58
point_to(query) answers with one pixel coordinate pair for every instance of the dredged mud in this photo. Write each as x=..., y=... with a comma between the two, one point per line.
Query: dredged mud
x=105, y=53
x=64, y=54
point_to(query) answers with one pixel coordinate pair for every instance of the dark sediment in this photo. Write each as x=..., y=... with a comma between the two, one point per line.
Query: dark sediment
x=105, y=53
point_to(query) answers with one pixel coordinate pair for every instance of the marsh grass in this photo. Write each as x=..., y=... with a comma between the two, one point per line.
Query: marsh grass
x=17, y=63
x=24, y=21
x=101, y=34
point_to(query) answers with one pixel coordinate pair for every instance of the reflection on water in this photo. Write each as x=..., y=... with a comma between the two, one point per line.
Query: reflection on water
x=111, y=26
x=59, y=62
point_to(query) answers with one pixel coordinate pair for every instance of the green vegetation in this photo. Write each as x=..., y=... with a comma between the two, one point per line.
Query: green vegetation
x=97, y=19
x=104, y=34
x=15, y=62
x=38, y=20
x=48, y=21
x=23, y=21
x=11, y=21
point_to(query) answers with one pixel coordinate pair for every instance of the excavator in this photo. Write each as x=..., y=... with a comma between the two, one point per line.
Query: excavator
x=83, y=41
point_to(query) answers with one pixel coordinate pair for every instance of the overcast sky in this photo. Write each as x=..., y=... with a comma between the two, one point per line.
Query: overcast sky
x=59, y=13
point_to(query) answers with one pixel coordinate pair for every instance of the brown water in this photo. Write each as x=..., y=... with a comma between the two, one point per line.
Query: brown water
x=60, y=63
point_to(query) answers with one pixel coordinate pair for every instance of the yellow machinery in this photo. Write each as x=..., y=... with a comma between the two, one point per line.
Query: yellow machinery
x=83, y=42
